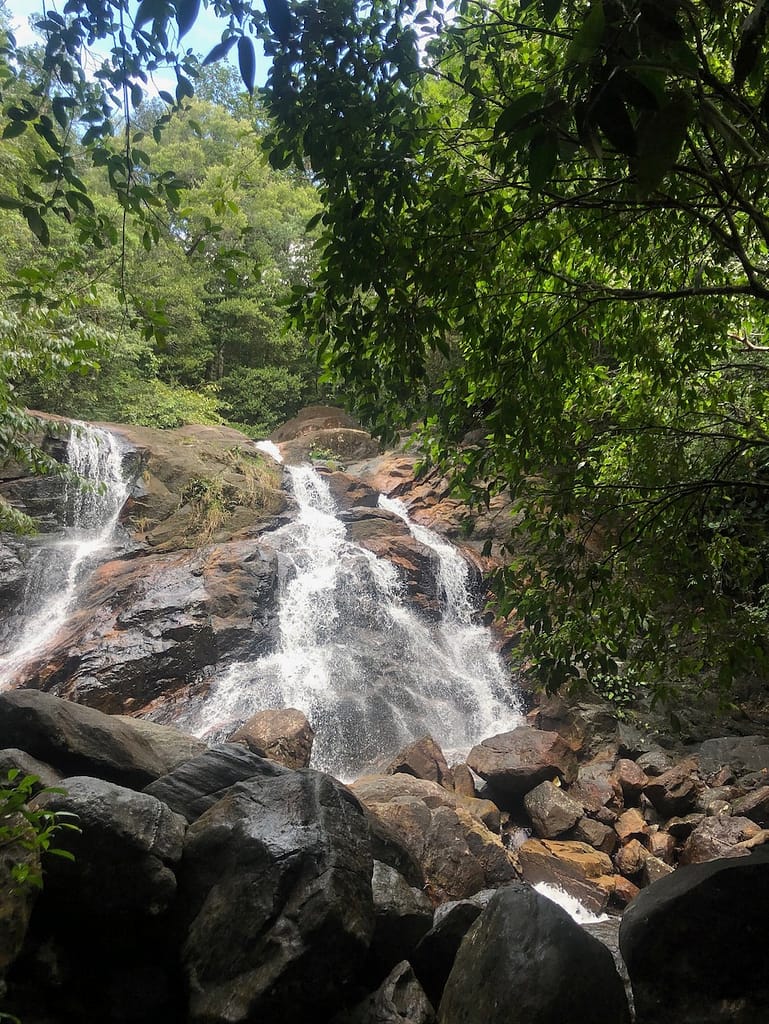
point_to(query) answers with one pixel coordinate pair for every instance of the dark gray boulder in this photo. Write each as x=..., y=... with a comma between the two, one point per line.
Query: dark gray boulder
x=124, y=853
x=515, y=762
x=398, y=1000
x=695, y=944
x=433, y=958
x=202, y=781
x=743, y=754
x=552, y=811
x=276, y=885
x=78, y=740
x=525, y=961
x=402, y=915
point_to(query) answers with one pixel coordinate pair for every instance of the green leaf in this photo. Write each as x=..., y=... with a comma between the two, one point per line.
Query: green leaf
x=13, y=129
x=589, y=37
x=247, y=63
x=37, y=224
x=150, y=10
x=9, y=203
x=514, y=113
x=186, y=15
x=220, y=50
x=543, y=159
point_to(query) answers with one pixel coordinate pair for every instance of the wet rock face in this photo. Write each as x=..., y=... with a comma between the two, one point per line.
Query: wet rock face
x=149, y=626
x=276, y=885
x=283, y=735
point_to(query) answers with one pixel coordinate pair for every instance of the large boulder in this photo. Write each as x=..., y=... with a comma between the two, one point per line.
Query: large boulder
x=742, y=754
x=447, y=835
x=718, y=837
x=202, y=781
x=433, y=958
x=424, y=760
x=276, y=882
x=146, y=628
x=694, y=944
x=515, y=762
x=124, y=852
x=552, y=811
x=281, y=734
x=525, y=961
x=80, y=740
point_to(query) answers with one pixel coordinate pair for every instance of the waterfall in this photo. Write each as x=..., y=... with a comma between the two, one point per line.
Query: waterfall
x=370, y=674
x=90, y=509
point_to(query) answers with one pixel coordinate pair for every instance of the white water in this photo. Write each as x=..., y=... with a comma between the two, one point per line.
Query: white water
x=60, y=562
x=269, y=448
x=572, y=906
x=368, y=672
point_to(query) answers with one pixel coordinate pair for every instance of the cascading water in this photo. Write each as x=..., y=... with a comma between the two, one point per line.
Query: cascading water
x=89, y=512
x=368, y=672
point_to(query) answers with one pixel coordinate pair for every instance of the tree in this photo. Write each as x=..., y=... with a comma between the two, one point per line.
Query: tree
x=569, y=202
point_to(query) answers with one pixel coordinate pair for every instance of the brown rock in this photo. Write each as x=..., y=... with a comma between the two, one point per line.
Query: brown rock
x=552, y=811
x=424, y=760
x=600, y=837
x=754, y=805
x=515, y=762
x=716, y=801
x=662, y=845
x=673, y=793
x=575, y=867
x=349, y=492
x=654, y=763
x=597, y=788
x=629, y=859
x=588, y=725
x=311, y=419
x=717, y=837
x=632, y=779
x=463, y=780
x=624, y=892
x=444, y=833
x=282, y=734
x=630, y=824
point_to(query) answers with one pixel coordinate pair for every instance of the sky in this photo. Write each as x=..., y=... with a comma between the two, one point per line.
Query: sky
x=205, y=34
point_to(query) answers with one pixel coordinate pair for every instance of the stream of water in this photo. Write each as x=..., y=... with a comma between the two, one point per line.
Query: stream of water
x=370, y=673
x=59, y=561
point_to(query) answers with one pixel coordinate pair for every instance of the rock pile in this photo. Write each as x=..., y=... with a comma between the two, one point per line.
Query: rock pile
x=213, y=885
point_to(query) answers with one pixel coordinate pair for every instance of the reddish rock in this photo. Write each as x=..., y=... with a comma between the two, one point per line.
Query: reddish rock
x=624, y=892
x=515, y=762
x=662, y=845
x=630, y=824
x=283, y=735
x=717, y=837
x=674, y=792
x=349, y=492
x=681, y=828
x=552, y=811
x=576, y=868
x=716, y=801
x=313, y=418
x=654, y=763
x=424, y=760
x=632, y=779
x=600, y=837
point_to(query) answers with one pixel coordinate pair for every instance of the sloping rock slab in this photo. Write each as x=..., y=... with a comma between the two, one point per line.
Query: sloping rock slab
x=578, y=869
x=525, y=961
x=276, y=878
x=695, y=944
x=77, y=740
x=201, y=782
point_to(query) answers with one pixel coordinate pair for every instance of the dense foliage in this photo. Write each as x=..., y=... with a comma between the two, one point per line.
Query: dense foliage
x=544, y=231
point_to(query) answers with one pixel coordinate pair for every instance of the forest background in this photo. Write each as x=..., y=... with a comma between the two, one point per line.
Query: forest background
x=538, y=229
